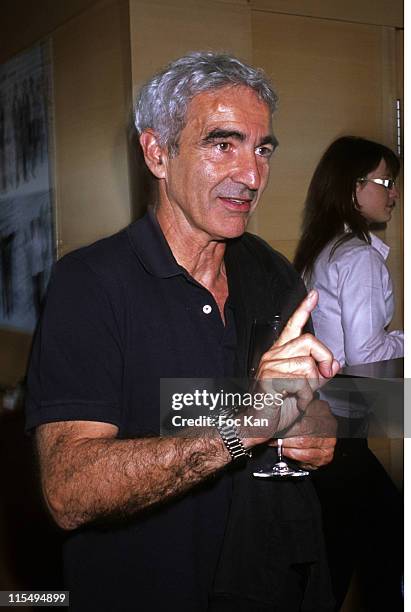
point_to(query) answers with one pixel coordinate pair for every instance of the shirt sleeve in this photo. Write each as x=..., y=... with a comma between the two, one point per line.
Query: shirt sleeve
x=76, y=364
x=366, y=298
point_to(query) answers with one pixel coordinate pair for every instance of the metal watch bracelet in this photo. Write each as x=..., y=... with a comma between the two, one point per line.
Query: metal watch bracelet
x=230, y=437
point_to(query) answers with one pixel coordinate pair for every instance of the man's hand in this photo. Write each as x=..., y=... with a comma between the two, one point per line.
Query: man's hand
x=311, y=440
x=303, y=364
x=297, y=355
x=312, y=453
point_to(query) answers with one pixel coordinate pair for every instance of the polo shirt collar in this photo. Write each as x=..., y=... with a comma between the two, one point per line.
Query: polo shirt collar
x=152, y=249
x=149, y=244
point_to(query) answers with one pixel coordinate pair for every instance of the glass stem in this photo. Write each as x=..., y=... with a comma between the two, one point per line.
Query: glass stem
x=280, y=449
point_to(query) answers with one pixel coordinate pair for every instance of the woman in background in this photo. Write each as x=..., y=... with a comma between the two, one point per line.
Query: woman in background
x=352, y=189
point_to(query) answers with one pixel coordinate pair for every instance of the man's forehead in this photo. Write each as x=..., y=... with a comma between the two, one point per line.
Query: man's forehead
x=229, y=104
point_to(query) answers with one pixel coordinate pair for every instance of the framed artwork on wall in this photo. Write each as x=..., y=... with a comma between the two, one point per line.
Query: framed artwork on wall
x=27, y=249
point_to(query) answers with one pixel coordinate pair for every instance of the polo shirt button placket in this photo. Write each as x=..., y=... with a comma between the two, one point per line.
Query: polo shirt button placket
x=207, y=309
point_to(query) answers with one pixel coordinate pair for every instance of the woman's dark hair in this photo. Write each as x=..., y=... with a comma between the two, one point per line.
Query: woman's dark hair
x=331, y=202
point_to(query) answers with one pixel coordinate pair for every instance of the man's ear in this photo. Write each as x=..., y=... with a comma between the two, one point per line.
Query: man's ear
x=153, y=153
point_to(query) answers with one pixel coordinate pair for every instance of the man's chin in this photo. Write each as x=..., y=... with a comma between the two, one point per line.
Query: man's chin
x=234, y=230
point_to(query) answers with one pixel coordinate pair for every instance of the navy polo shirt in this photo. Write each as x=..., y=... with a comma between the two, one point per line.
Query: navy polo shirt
x=119, y=315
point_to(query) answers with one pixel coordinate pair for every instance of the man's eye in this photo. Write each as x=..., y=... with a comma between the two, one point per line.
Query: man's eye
x=264, y=151
x=223, y=146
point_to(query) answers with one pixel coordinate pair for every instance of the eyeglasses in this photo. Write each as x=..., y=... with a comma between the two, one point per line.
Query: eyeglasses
x=387, y=183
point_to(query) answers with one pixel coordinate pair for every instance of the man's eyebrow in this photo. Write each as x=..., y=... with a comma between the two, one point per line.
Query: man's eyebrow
x=271, y=139
x=218, y=133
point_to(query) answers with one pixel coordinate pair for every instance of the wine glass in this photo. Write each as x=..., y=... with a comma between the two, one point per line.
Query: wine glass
x=281, y=469
x=263, y=335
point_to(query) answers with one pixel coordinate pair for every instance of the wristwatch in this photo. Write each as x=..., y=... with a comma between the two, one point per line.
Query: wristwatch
x=229, y=435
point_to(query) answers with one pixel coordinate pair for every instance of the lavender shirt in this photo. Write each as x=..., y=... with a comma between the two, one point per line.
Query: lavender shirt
x=356, y=302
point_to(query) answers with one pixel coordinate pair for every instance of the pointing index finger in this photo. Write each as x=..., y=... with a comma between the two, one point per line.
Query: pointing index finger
x=298, y=319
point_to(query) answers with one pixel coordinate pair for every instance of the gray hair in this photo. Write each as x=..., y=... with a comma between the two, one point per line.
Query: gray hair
x=163, y=101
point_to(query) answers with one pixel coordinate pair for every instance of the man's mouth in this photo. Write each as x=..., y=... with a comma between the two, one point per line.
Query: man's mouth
x=240, y=204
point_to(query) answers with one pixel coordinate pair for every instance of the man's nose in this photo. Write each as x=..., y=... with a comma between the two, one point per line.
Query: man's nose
x=394, y=192
x=247, y=171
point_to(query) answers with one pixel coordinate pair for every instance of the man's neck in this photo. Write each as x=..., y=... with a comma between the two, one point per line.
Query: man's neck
x=202, y=257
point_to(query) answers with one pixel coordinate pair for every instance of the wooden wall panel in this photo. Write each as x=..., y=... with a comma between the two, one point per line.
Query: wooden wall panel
x=376, y=12
x=24, y=23
x=394, y=234
x=162, y=30
x=92, y=83
x=330, y=81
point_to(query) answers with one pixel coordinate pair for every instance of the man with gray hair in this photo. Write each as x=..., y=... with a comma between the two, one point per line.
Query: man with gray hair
x=167, y=521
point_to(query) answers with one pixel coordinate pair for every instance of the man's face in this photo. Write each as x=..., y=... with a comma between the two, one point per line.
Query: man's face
x=213, y=184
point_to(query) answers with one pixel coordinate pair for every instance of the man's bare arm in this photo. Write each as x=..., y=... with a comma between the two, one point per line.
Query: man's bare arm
x=89, y=474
